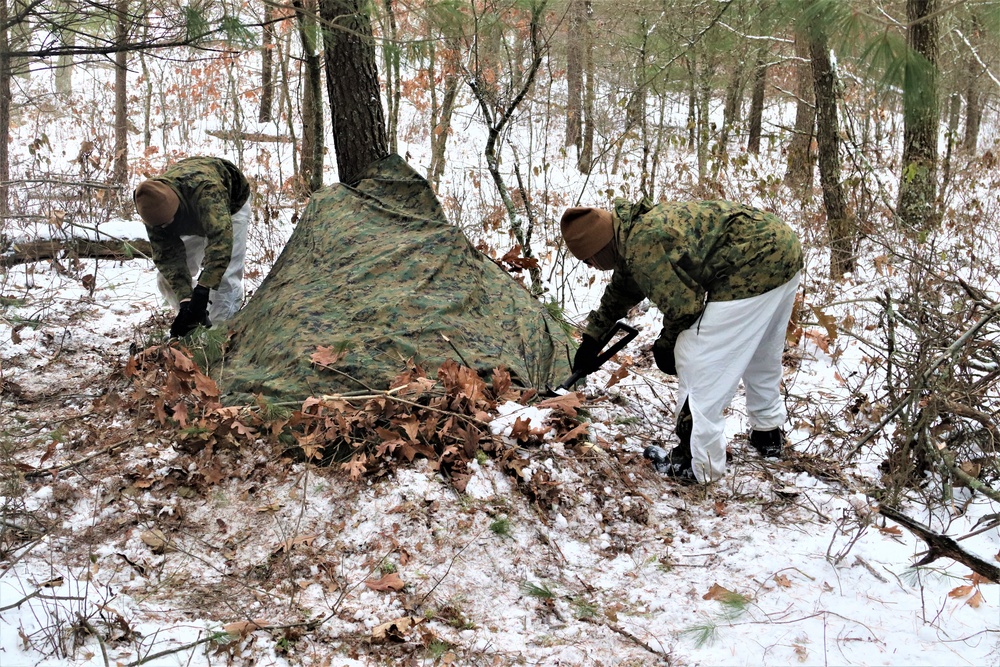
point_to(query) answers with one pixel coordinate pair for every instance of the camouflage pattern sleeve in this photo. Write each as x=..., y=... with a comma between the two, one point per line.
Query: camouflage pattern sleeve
x=170, y=259
x=621, y=294
x=213, y=210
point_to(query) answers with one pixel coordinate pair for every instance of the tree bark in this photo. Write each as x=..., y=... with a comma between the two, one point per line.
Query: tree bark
x=942, y=545
x=267, y=66
x=441, y=117
x=973, y=106
x=574, y=73
x=801, y=160
x=359, y=134
x=755, y=120
x=917, y=206
x=313, y=142
x=390, y=62
x=120, y=170
x=585, y=160
x=828, y=145
x=4, y=113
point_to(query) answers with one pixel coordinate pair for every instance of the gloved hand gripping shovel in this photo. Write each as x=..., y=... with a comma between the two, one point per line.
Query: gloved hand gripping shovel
x=620, y=327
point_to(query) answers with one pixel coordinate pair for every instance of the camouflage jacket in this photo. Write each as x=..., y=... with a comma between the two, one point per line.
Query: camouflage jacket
x=210, y=191
x=680, y=255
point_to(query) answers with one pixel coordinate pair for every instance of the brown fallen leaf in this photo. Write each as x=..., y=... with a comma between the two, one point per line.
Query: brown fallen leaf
x=724, y=595
x=390, y=582
x=782, y=581
x=975, y=600
x=156, y=540
x=289, y=543
x=395, y=630
x=960, y=592
x=243, y=628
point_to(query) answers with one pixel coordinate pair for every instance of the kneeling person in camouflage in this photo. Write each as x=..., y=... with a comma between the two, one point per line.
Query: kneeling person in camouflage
x=725, y=277
x=196, y=215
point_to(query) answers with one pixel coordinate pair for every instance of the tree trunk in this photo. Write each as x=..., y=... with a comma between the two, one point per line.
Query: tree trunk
x=311, y=164
x=4, y=113
x=756, y=117
x=64, y=64
x=267, y=66
x=917, y=207
x=120, y=170
x=973, y=106
x=442, y=116
x=585, y=161
x=692, y=97
x=801, y=160
x=635, y=110
x=730, y=111
x=359, y=134
x=828, y=146
x=390, y=63
x=574, y=73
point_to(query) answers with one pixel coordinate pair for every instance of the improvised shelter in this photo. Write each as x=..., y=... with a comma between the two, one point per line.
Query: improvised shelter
x=375, y=269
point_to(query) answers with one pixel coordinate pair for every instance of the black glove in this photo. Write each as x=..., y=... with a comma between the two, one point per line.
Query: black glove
x=585, y=360
x=193, y=312
x=663, y=355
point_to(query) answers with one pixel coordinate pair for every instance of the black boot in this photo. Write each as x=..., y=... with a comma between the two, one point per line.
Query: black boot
x=670, y=463
x=769, y=444
x=675, y=462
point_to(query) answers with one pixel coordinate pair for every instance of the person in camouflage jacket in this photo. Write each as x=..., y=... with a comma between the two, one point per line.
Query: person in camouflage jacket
x=724, y=276
x=196, y=215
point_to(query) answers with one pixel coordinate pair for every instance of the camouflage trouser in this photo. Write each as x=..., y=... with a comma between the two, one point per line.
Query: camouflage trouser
x=228, y=297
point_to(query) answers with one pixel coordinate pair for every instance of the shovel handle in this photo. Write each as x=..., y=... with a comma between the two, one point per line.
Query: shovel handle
x=630, y=334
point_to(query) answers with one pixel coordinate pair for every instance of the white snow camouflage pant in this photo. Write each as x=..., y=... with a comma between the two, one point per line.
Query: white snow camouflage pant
x=733, y=340
x=228, y=298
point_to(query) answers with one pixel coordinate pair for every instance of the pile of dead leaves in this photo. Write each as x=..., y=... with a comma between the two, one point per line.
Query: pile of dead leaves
x=443, y=420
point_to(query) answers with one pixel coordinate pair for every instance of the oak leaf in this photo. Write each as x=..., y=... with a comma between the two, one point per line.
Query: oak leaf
x=390, y=582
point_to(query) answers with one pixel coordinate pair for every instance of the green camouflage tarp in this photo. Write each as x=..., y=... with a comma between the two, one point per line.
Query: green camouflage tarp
x=377, y=269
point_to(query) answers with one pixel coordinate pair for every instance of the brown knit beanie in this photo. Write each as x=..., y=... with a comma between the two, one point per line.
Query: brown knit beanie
x=156, y=203
x=586, y=230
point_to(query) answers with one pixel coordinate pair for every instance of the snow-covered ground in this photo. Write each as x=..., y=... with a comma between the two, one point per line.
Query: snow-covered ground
x=116, y=561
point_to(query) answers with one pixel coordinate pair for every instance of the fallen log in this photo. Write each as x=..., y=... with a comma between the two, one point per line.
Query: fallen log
x=942, y=545
x=34, y=251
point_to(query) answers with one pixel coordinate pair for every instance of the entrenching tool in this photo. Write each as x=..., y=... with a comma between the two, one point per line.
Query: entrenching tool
x=630, y=333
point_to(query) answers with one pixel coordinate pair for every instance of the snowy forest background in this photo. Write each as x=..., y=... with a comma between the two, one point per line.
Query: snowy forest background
x=871, y=127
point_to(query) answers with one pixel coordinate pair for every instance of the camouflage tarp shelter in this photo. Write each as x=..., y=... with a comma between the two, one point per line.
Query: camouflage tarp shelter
x=376, y=269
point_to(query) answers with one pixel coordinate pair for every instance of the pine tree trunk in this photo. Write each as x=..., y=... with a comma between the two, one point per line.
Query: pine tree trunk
x=585, y=161
x=442, y=116
x=390, y=64
x=755, y=120
x=917, y=207
x=267, y=66
x=311, y=165
x=801, y=161
x=973, y=106
x=359, y=134
x=4, y=113
x=828, y=147
x=119, y=175
x=574, y=73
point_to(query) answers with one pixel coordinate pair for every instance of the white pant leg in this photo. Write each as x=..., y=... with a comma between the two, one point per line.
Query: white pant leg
x=762, y=378
x=715, y=353
x=228, y=298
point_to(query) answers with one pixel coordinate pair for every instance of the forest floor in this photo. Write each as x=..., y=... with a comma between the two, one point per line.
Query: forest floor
x=122, y=546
